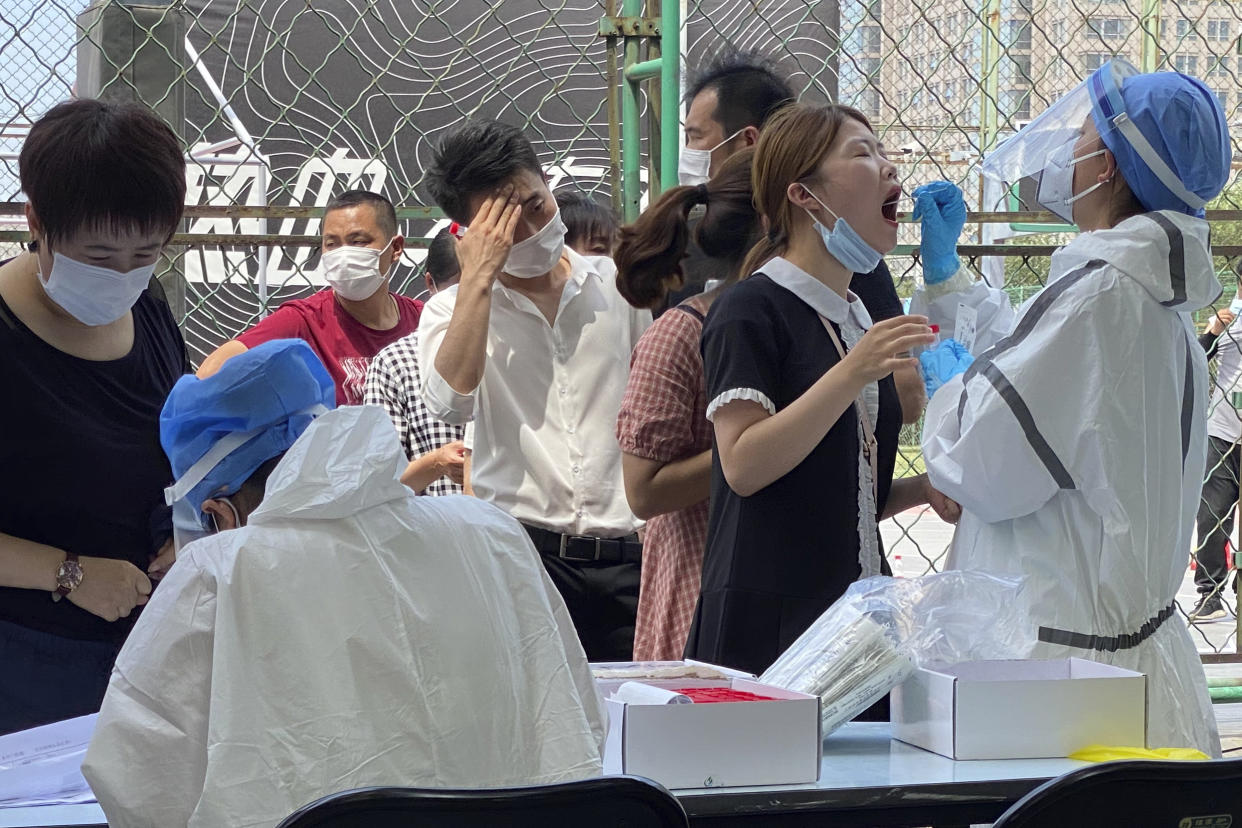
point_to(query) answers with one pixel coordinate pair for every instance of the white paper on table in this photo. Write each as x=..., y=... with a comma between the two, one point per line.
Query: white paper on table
x=43, y=765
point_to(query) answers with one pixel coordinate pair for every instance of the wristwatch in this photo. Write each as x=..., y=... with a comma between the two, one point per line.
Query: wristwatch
x=68, y=576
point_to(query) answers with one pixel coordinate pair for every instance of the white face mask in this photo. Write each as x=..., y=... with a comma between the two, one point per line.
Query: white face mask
x=694, y=165
x=1056, y=183
x=94, y=295
x=354, y=272
x=537, y=255
x=602, y=264
x=843, y=242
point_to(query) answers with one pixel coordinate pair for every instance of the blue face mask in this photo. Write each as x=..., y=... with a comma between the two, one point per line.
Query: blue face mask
x=843, y=242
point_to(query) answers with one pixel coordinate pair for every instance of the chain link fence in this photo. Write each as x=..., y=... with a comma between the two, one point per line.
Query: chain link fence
x=281, y=103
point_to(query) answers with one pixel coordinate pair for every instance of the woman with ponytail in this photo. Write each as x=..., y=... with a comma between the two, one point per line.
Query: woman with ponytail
x=800, y=394
x=665, y=438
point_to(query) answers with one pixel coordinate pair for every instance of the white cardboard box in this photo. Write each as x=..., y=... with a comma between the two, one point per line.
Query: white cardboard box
x=1020, y=709
x=715, y=745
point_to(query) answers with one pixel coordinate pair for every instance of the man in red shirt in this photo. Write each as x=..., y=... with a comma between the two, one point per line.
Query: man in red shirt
x=348, y=323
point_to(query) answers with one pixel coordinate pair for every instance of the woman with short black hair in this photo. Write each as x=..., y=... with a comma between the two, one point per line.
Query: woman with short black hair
x=88, y=352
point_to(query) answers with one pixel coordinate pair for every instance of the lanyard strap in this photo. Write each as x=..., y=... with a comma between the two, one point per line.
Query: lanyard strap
x=864, y=419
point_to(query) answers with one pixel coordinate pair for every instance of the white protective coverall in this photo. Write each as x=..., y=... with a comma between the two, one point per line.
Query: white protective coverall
x=940, y=302
x=351, y=634
x=1076, y=448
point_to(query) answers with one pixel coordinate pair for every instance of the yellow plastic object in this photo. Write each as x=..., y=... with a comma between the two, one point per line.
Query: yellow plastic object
x=1109, y=753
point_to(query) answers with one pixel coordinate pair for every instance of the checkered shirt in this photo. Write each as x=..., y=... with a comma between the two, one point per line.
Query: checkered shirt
x=663, y=418
x=393, y=382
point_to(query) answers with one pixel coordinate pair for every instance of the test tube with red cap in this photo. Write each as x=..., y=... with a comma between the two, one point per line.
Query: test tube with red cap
x=918, y=349
x=457, y=230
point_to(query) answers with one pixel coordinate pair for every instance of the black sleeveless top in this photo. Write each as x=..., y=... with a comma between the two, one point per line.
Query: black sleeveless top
x=80, y=447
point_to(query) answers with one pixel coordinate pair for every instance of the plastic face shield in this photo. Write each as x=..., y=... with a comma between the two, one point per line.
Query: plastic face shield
x=1026, y=154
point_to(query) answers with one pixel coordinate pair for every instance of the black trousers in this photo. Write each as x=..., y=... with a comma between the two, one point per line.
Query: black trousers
x=1216, y=511
x=602, y=598
x=45, y=678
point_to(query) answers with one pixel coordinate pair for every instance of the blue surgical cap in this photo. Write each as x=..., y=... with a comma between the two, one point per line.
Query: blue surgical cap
x=271, y=390
x=1184, y=123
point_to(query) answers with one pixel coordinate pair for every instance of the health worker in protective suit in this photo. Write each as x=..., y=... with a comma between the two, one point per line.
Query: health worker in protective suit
x=348, y=634
x=1076, y=444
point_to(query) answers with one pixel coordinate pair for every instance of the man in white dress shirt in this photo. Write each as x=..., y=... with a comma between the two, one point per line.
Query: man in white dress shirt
x=532, y=350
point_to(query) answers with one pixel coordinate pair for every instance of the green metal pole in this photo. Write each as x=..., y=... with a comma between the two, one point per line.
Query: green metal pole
x=670, y=90
x=1150, y=22
x=655, y=109
x=645, y=70
x=631, y=142
x=989, y=115
x=614, y=116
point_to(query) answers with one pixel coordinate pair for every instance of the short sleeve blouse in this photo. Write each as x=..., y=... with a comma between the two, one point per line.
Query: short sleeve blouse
x=789, y=550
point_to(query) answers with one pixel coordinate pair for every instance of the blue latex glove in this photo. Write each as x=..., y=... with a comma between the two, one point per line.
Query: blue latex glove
x=941, y=209
x=942, y=363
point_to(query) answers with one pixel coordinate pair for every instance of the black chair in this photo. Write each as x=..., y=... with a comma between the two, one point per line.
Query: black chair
x=603, y=802
x=1136, y=794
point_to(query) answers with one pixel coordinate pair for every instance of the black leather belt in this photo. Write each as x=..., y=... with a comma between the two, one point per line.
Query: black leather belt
x=1107, y=643
x=586, y=547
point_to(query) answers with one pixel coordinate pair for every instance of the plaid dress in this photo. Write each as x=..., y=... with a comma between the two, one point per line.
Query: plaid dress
x=394, y=383
x=662, y=419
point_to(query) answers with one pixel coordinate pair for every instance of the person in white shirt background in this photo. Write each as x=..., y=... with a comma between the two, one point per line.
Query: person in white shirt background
x=1222, y=340
x=532, y=349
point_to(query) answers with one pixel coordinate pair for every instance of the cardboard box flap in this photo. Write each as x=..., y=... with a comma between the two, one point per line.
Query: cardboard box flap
x=1013, y=670
x=1082, y=668
x=748, y=686
x=923, y=711
x=1056, y=669
x=728, y=671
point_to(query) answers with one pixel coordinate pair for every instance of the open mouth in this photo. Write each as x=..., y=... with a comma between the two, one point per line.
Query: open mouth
x=889, y=208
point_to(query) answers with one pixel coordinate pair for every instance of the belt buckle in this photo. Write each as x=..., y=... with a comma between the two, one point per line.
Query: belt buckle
x=565, y=539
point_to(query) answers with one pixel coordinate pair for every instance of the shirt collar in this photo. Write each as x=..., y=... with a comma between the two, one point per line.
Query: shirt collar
x=580, y=269
x=822, y=299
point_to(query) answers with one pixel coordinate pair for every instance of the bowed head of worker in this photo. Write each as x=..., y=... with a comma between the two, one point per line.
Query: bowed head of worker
x=224, y=433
